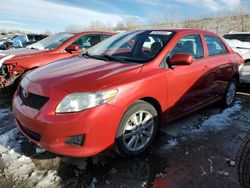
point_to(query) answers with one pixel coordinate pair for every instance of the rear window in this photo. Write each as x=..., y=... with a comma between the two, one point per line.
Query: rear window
x=240, y=37
x=215, y=46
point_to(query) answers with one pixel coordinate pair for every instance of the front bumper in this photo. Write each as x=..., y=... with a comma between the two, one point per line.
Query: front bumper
x=98, y=124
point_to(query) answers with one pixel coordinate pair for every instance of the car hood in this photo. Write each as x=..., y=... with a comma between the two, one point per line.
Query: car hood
x=8, y=56
x=20, y=52
x=82, y=74
x=239, y=46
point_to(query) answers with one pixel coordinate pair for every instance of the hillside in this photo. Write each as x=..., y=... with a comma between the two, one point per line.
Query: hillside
x=220, y=25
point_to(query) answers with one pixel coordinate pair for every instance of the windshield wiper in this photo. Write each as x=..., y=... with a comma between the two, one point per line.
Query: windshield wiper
x=113, y=58
x=126, y=59
x=95, y=56
x=106, y=57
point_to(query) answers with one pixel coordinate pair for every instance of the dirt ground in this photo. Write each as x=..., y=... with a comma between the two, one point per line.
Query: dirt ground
x=196, y=151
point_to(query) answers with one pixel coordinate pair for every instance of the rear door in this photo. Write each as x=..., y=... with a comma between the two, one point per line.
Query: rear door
x=188, y=85
x=220, y=65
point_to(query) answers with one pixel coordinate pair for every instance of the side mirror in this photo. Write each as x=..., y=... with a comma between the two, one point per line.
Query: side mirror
x=181, y=59
x=72, y=48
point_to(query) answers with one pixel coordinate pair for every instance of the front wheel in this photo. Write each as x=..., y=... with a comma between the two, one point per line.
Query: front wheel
x=229, y=97
x=137, y=129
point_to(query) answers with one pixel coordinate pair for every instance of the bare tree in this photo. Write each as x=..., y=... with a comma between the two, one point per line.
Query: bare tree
x=128, y=23
x=239, y=17
x=167, y=17
x=97, y=25
x=47, y=32
x=75, y=28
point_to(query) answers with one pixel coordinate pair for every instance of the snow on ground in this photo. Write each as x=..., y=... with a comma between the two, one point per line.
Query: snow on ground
x=171, y=144
x=187, y=128
x=18, y=167
x=220, y=121
x=5, y=123
x=4, y=112
x=23, y=171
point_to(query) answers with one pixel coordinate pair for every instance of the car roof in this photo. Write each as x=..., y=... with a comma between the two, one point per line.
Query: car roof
x=179, y=30
x=92, y=32
x=237, y=33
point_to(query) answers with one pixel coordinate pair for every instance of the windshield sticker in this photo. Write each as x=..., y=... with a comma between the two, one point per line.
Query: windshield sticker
x=161, y=33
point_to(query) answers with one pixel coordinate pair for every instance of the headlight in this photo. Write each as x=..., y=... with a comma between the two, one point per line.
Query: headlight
x=76, y=102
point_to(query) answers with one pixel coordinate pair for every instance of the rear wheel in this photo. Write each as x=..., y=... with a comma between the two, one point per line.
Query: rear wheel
x=243, y=162
x=229, y=97
x=137, y=129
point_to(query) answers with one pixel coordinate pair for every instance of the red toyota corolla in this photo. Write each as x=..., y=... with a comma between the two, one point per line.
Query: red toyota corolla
x=118, y=92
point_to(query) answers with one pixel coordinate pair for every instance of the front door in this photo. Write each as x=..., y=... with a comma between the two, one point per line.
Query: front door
x=188, y=85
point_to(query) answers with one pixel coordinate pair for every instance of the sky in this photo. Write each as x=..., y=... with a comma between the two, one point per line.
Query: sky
x=56, y=15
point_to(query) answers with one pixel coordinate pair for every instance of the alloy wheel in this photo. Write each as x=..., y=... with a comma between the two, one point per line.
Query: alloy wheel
x=138, y=130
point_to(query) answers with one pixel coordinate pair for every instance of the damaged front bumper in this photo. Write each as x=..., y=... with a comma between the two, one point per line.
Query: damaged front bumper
x=8, y=74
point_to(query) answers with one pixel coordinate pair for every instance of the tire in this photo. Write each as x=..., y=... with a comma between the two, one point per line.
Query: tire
x=230, y=94
x=133, y=137
x=243, y=162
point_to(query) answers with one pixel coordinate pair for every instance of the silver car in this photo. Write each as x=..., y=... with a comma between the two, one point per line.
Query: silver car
x=240, y=42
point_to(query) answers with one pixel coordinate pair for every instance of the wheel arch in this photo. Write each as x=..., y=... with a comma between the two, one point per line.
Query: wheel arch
x=154, y=102
x=236, y=76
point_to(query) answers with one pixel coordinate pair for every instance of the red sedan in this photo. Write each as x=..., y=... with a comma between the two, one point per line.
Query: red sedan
x=15, y=63
x=112, y=97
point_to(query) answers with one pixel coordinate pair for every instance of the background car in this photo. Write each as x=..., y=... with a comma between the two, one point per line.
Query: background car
x=240, y=42
x=243, y=162
x=21, y=41
x=6, y=38
x=15, y=63
x=115, y=97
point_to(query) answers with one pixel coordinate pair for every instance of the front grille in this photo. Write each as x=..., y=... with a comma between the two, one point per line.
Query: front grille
x=33, y=135
x=33, y=100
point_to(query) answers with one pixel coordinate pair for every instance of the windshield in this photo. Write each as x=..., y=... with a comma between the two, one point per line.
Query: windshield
x=51, y=42
x=240, y=37
x=19, y=40
x=135, y=46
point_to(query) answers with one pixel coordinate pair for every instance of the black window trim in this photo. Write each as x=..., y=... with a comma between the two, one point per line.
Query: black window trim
x=103, y=38
x=226, y=50
x=188, y=34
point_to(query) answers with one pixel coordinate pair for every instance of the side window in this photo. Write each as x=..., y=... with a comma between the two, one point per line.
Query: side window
x=214, y=45
x=190, y=44
x=38, y=37
x=105, y=36
x=87, y=41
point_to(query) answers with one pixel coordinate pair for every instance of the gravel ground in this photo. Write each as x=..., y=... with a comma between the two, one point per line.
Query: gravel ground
x=196, y=151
